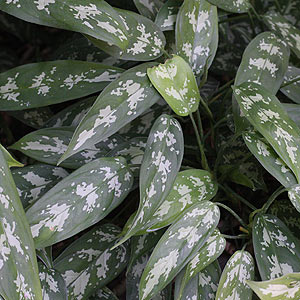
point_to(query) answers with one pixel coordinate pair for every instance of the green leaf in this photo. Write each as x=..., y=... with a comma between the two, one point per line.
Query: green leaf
x=167, y=14
x=96, y=189
x=190, y=187
x=292, y=91
x=97, y=18
x=88, y=264
x=293, y=111
x=238, y=269
x=175, y=81
x=146, y=40
x=34, y=181
x=104, y=294
x=197, y=34
x=269, y=158
x=294, y=195
x=11, y=162
x=285, y=287
x=148, y=8
x=289, y=33
x=276, y=250
x=18, y=265
x=119, y=103
x=161, y=162
x=266, y=114
x=45, y=83
x=178, y=245
x=234, y=6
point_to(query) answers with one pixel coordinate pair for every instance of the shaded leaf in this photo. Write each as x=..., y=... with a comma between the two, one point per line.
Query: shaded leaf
x=104, y=294
x=292, y=91
x=234, y=6
x=148, y=8
x=11, y=162
x=294, y=195
x=167, y=14
x=293, y=111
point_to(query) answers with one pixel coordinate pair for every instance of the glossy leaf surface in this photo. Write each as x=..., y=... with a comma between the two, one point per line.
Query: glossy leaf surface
x=292, y=90
x=166, y=17
x=11, y=162
x=148, y=8
x=234, y=6
x=294, y=195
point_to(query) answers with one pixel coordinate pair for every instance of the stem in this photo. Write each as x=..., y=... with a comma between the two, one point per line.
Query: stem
x=214, y=127
x=286, y=7
x=252, y=23
x=201, y=148
x=165, y=53
x=235, y=237
x=237, y=18
x=255, y=12
x=199, y=123
x=278, y=6
x=206, y=108
x=290, y=82
x=226, y=85
x=233, y=213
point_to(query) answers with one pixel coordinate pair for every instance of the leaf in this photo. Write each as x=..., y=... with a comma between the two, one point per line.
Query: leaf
x=177, y=246
x=289, y=33
x=161, y=162
x=11, y=162
x=208, y=253
x=269, y=158
x=88, y=264
x=45, y=83
x=233, y=6
x=293, y=111
x=97, y=18
x=285, y=287
x=276, y=249
x=18, y=265
x=238, y=269
x=294, y=195
x=190, y=187
x=47, y=145
x=119, y=103
x=175, y=81
x=34, y=181
x=148, y=8
x=146, y=40
x=53, y=285
x=197, y=34
x=264, y=111
x=104, y=294
x=292, y=90
x=166, y=16
x=80, y=200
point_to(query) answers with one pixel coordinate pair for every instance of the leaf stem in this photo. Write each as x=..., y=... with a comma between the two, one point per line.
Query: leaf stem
x=290, y=82
x=255, y=12
x=278, y=6
x=204, y=104
x=165, y=53
x=235, y=237
x=237, y=18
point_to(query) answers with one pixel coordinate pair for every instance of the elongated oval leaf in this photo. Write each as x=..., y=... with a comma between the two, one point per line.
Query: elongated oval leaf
x=292, y=90
x=284, y=287
x=238, y=269
x=269, y=159
x=175, y=81
x=45, y=83
x=119, y=103
x=197, y=34
x=88, y=263
x=276, y=249
x=289, y=33
x=11, y=162
x=161, y=162
x=294, y=195
x=177, y=246
x=97, y=18
x=148, y=8
x=266, y=114
x=167, y=15
x=80, y=200
x=234, y=6
x=19, y=277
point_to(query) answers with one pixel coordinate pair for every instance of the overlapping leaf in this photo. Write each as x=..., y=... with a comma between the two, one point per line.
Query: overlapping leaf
x=120, y=102
x=11, y=162
x=80, y=200
x=45, y=83
x=276, y=249
x=104, y=294
x=175, y=81
x=292, y=90
x=177, y=246
x=19, y=277
x=293, y=111
x=97, y=18
x=266, y=114
x=294, y=195
x=238, y=269
x=88, y=263
x=167, y=15
x=148, y=8
x=234, y=6
x=197, y=34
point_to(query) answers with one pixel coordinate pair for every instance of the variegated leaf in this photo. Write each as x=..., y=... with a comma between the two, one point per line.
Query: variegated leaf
x=277, y=251
x=80, y=200
x=34, y=181
x=292, y=90
x=18, y=265
x=146, y=40
x=161, y=162
x=104, y=294
x=45, y=83
x=96, y=18
x=269, y=158
x=148, y=8
x=267, y=115
x=167, y=15
x=234, y=6
x=88, y=264
x=11, y=162
x=238, y=269
x=177, y=84
x=284, y=287
x=294, y=195
x=120, y=103
x=178, y=245
x=289, y=33
x=197, y=34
